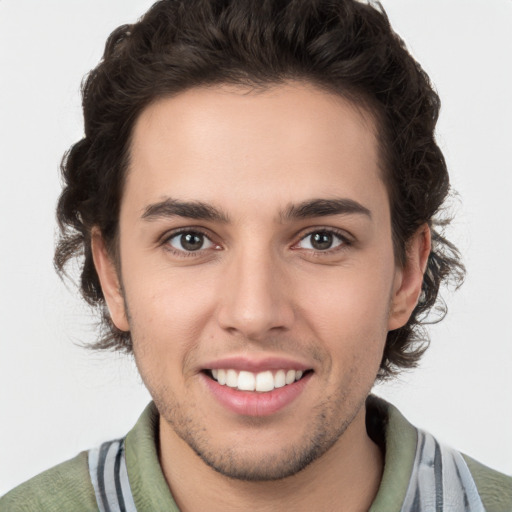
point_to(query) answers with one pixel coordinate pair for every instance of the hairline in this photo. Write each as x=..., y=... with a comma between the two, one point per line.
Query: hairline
x=370, y=111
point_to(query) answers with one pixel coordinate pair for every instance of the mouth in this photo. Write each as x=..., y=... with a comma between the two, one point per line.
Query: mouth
x=259, y=382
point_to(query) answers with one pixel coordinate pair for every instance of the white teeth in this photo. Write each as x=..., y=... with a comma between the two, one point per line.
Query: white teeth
x=290, y=376
x=280, y=379
x=246, y=381
x=262, y=382
x=231, y=379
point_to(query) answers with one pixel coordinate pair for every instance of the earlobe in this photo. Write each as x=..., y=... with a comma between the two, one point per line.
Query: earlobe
x=409, y=279
x=109, y=280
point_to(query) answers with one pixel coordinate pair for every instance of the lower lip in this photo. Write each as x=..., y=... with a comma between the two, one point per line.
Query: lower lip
x=253, y=403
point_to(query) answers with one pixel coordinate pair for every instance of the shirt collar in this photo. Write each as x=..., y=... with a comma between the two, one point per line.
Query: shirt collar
x=151, y=492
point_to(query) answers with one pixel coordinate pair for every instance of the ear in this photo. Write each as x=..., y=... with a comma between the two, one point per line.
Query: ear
x=109, y=280
x=408, y=280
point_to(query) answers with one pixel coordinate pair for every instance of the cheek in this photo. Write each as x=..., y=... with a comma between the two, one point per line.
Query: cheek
x=168, y=311
x=349, y=312
x=166, y=297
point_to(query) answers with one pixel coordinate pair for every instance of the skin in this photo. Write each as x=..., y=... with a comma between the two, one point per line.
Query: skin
x=259, y=288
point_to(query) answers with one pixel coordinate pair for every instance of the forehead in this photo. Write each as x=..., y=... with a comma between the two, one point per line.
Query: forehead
x=283, y=144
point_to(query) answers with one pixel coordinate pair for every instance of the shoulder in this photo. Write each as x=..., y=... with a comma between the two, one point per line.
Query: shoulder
x=419, y=469
x=63, y=487
x=494, y=487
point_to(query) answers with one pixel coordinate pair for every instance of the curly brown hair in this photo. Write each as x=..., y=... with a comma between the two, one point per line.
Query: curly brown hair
x=343, y=46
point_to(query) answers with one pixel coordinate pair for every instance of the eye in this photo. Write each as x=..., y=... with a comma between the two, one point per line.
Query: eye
x=321, y=240
x=190, y=241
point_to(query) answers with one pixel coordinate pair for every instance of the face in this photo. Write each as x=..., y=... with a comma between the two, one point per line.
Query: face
x=257, y=272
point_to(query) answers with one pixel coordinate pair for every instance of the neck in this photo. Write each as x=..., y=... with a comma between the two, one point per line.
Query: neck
x=346, y=478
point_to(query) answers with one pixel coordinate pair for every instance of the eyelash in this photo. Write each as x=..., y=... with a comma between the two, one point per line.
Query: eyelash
x=182, y=253
x=345, y=242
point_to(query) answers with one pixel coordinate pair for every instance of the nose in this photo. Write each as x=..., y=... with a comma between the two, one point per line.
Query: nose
x=256, y=297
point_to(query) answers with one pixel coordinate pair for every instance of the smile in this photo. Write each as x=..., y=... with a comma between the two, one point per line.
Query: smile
x=262, y=382
x=256, y=393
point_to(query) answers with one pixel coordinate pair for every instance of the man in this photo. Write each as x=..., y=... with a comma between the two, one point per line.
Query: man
x=255, y=199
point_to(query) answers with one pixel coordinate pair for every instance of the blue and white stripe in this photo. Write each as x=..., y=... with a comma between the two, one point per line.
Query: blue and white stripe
x=440, y=480
x=107, y=468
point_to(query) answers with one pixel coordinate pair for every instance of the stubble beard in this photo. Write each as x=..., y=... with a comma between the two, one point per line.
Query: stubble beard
x=323, y=432
x=330, y=419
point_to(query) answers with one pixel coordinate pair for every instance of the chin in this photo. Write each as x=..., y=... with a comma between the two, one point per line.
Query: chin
x=231, y=459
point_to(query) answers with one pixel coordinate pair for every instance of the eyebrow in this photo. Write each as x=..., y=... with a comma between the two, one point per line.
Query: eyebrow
x=203, y=211
x=191, y=209
x=324, y=208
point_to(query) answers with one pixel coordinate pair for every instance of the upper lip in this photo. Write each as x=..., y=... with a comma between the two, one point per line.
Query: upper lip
x=256, y=364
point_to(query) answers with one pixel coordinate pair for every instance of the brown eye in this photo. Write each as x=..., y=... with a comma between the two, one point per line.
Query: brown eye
x=190, y=241
x=321, y=241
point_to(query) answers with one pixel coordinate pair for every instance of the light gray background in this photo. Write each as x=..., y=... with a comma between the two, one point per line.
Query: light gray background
x=57, y=399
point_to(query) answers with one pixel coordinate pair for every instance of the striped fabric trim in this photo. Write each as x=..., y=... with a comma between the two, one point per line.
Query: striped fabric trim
x=440, y=480
x=107, y=468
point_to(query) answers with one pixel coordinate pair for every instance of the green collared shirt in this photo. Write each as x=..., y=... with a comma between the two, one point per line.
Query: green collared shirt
x=68, y=486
